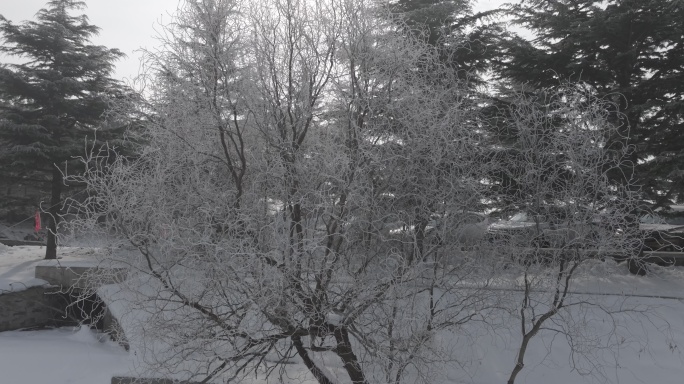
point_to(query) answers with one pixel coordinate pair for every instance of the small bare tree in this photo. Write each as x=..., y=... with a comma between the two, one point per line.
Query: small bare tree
x=556, y=172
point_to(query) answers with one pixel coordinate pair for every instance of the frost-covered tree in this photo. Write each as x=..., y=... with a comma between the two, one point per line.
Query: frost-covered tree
x=288, y=197
x=554, y=169
x=301, y=200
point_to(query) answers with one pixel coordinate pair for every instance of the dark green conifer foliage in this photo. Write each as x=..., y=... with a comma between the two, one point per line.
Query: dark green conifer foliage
x=51, y=102
x=467, y=40
x=629, y=51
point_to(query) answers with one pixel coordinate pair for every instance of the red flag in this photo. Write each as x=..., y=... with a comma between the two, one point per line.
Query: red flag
x=37, y=221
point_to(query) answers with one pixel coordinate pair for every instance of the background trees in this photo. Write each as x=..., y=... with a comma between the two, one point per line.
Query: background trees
x=629, y=52
x=467, y=41
x=55, y=99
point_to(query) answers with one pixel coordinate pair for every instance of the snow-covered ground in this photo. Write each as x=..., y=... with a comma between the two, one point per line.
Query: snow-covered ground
x=60, y=356
x=624, y=348
x=70, y=355
x=644, y=347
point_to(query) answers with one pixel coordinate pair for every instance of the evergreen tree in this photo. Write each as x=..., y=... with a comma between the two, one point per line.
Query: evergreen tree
x=467, y=40
x=630, y=52
x=56, y=98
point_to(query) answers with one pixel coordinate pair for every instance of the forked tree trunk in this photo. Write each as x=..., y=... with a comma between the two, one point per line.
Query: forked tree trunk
x=54, y=210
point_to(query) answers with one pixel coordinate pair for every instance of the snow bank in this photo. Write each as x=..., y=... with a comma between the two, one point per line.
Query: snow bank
x=60, y=356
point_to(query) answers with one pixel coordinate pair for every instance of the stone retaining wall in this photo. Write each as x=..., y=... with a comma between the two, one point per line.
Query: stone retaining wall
x=139, y=380
x=31, y=308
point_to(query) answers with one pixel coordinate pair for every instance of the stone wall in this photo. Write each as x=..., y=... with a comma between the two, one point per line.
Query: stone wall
x=33, y=307
x=141, y=380
x=60, y=302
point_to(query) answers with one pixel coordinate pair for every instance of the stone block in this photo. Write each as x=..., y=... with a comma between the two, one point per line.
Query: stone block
x=30, y=308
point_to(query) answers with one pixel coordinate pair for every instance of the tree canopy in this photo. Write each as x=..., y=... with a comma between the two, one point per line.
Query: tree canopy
x=467, y=40
x=56, y=97
x=630, y=52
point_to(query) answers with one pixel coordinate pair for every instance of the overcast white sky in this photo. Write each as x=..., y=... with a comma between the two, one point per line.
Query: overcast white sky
x=125, y=24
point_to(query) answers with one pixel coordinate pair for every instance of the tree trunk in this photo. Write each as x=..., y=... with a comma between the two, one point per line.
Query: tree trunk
x=315, y=371
x=345, y=352
x=54, y=211
x=520, y=364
